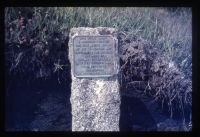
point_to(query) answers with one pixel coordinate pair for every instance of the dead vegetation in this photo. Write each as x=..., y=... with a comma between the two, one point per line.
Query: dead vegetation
x=146, y=68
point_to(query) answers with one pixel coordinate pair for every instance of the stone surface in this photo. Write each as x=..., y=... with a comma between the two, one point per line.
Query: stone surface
x=95, y=100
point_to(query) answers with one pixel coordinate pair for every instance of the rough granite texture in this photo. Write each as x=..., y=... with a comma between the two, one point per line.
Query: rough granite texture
x=95, y=101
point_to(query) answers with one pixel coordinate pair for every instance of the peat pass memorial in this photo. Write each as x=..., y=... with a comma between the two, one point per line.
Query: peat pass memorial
x=95, y=98
x=98, y=68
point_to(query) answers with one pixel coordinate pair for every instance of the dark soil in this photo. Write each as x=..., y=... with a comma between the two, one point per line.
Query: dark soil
x=135, y=116
x=40, y=105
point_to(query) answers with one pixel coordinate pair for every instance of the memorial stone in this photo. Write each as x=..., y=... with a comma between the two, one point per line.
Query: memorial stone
x=95, y=98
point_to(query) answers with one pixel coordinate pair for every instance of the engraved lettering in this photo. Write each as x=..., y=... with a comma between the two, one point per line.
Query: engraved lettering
x=93, y=56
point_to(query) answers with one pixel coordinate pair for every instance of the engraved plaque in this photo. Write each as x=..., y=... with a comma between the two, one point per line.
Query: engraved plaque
x=93, y=56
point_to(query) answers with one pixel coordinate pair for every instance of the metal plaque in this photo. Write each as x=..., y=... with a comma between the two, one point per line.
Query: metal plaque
x=93, y=56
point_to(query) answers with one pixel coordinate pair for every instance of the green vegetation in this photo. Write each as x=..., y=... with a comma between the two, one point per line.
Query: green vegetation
x=168, y=29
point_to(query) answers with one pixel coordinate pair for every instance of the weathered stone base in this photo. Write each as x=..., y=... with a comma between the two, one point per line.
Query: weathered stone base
x=95, y=101
x=95, y=105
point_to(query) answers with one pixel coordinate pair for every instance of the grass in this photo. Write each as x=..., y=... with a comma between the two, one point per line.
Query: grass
x=169, y=29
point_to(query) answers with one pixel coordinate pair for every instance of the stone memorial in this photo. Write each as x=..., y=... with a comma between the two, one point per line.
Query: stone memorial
x=95, y=98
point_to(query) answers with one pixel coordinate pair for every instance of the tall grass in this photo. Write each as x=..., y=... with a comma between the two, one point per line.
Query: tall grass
x=168, y=29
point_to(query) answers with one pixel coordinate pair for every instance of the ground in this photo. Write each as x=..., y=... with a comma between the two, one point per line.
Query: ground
x=48, y=109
